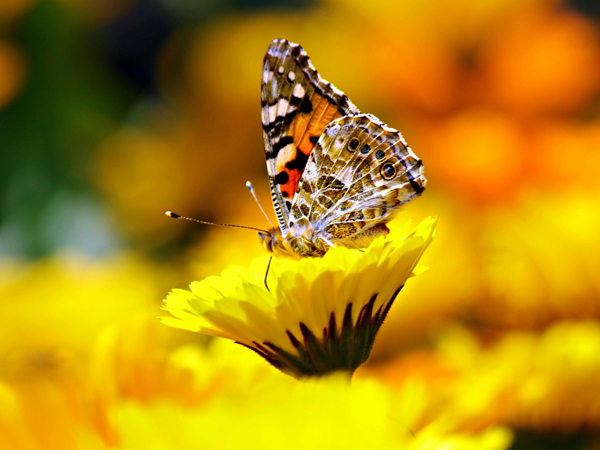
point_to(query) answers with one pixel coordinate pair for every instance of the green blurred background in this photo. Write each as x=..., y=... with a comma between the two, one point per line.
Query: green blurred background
x=112, y=112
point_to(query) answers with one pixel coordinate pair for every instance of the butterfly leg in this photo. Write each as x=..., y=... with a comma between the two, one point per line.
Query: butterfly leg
x=327, y=241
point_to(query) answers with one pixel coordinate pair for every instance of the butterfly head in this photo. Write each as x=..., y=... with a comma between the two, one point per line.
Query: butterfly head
x=295, y=247
x=272, y=240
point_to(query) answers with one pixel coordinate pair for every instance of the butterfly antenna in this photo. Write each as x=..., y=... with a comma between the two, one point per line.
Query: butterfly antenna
x=251, y=189
x=177, y=216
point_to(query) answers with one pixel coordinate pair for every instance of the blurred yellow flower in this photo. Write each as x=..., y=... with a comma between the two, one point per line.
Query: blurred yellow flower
x=490, y=175
x=544, y=381
x=44, y=416
x=143, y=362
x=556, y=168
x=562, y=388
x=63, y=302
x=53, y=311
x=541, y=260
x=333, y=414
x=320, y=315
x=138, y=393
x=546, y=61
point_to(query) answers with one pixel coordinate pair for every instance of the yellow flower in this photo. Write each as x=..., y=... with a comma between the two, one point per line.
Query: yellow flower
x=55, y=307
x=333, y=414
x=318, y=315
x=138, y=392
x=53, y=311
x=532, y=380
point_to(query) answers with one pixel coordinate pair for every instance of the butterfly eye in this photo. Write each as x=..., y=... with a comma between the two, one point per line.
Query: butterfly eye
x=388, y=171
x=353, y=144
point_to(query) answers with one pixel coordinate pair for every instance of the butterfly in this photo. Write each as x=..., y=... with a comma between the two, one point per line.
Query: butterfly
x=337, y=176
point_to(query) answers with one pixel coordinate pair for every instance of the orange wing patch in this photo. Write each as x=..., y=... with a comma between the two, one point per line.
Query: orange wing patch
x=307, y=128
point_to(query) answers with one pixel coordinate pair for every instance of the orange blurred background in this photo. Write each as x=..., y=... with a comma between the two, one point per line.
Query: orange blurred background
x=113, y=112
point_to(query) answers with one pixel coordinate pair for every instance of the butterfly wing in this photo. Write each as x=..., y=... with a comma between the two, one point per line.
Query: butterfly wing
x=358, y=175
x=297, y=106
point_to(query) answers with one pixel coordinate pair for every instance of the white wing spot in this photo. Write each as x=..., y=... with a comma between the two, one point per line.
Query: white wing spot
x=272, y=113
x=280, y=70
x=264, y=114
x=285, y=154
x=291, y=76
x=333, y=130
x=282, y=107
x=298, y=91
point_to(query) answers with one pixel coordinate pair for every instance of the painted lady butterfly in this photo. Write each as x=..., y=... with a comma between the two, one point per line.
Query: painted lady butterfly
x=337, y=176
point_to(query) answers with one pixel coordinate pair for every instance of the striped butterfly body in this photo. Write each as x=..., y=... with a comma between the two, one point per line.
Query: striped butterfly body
x=337, y=176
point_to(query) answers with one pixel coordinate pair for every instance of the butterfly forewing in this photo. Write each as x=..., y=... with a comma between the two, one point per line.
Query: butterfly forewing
x=297, y=106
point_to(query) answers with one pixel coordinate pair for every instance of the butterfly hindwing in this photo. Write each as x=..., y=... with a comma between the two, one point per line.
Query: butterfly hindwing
x=358, y=175
x=297, y=106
